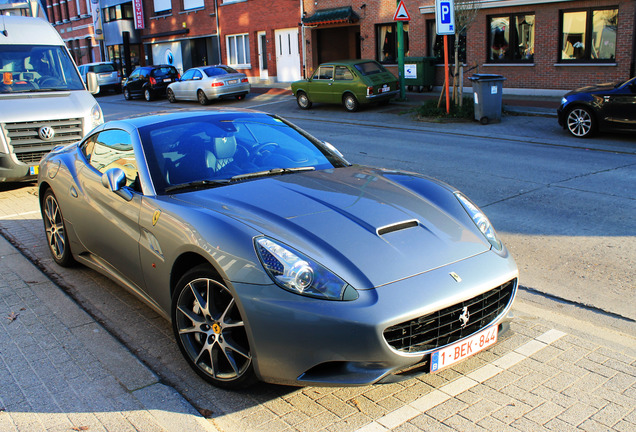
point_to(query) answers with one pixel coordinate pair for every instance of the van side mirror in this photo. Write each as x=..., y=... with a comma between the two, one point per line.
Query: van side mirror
x=91, y=82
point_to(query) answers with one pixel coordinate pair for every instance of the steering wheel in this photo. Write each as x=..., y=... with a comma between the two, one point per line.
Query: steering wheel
x=267, y=147
x=49, y=81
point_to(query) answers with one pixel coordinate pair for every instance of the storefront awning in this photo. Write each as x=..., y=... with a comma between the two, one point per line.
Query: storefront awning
x=332, y=16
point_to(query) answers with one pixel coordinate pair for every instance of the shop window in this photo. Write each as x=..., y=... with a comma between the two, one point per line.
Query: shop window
x=238, y=51
x=436, y=45
x=511, y=38
x=118, y=12
x=387, y=44
x=588, y=35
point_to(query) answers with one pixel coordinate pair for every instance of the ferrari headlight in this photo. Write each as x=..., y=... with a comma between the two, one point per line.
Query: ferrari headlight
x=297, y=273
x=480, y=220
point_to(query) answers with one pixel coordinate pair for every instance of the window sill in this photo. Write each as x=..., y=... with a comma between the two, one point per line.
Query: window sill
x=156, y=17
x=193, y=10
x=507, y=64
x=586, y=64
x=243, y=66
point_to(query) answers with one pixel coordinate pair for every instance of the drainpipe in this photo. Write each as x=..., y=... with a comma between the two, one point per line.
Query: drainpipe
x=302, y=37
x=218, y=31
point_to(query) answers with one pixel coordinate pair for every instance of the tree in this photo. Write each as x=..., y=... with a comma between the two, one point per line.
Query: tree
x=465, y=14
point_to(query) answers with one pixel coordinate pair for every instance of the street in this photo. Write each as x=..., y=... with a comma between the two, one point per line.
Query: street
x=563, y=206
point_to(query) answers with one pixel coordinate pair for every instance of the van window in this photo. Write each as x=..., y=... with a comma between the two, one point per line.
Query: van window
x=32, y=68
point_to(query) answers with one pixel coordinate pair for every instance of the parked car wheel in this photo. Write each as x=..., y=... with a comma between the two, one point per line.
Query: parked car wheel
x=170, y=95
x=202, y=98
x=240, y=97
x=303, y=100
x=580, y=122
x=210, y=331
x=147, y=95
x=126, y=94
x=56, y=230
x=350, y=102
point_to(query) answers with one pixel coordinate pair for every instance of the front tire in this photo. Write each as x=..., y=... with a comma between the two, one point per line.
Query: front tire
x=580, y=122
x=202, y=98
x=350, y=103
x=210, y=331
x=126, y=94
x=55, y=229
x=303, y=100
x=171, y=97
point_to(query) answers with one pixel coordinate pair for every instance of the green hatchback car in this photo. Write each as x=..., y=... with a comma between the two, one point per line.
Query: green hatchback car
x=349, y=82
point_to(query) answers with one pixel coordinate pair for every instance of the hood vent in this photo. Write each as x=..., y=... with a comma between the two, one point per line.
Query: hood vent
x=397, y=227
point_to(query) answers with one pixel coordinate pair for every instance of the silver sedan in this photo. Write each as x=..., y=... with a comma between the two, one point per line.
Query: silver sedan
x=209, y=82
x=272, y=256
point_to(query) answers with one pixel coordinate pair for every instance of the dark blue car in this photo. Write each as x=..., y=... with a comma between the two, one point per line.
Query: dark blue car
x=610, y=106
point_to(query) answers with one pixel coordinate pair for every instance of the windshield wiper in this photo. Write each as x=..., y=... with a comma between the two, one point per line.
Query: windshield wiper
x=197, y=184
x=273, y=171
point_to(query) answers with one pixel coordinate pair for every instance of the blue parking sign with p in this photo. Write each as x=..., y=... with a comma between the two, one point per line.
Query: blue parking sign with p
x=445, y=12
x=445, y=16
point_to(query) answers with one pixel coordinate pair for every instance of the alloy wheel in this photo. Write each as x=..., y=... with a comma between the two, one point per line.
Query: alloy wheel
x=580, y=122
x=211, y=332
x=55, y=230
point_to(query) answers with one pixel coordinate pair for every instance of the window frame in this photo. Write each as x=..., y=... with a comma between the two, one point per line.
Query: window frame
x=432, y=35
x=513, y=38
x=231, y=40
x=379, y=48
x=589, y=27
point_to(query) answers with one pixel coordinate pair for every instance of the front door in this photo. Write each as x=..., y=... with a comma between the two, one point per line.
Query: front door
x=287, y=55
x=262, y=55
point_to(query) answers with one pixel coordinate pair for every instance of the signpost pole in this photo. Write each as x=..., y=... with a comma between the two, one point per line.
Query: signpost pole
x=400, y=40
x=446, y=73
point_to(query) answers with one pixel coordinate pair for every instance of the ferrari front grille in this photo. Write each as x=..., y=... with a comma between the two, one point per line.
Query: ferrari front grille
x=449, y=325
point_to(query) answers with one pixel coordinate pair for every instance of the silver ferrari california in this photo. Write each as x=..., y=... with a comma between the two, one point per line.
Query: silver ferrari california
x=273, y=257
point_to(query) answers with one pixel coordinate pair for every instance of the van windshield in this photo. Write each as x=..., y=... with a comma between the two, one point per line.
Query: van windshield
x=35, y=68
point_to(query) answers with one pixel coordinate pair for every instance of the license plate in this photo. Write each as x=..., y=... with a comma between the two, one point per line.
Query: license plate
x=463, y=349
x=232, y=81
x=385, y=89
x=34, y=170
x=167, y=80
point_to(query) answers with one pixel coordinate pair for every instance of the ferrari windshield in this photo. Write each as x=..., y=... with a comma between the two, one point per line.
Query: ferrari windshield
x=208, y=151
x=33, y=68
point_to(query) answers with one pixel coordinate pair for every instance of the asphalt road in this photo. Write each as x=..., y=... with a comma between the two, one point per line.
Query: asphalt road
x=564, y=206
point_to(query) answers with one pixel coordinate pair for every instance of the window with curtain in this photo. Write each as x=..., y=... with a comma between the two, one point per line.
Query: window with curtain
x=387, y=43
x=238, y=51
x=511, y=38
x=588, y=35
x=436, y=45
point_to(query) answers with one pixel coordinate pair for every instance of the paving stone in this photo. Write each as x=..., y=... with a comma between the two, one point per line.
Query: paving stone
x=413, y=392
x=336, y=406
x=559, y=426
x=611, y=414
x=429, y=424
x=460, y=423
x=492, y=425
x=577, y=414
x=596, y=368
x=367, y=407
x=446, y=409
x=511, y=411
x=623, y=426
x=317, y=423
x=350, y=423
x=525, y=425
x=544, y=412
x=478, y=410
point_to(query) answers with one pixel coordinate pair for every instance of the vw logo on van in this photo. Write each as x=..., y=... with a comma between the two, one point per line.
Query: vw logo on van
x=46, y=133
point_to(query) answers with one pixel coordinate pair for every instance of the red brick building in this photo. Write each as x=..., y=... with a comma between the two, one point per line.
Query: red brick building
x=73, y=20
x=535, y=44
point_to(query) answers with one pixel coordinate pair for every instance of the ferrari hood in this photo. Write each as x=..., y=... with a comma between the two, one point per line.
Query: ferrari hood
x=366, y=228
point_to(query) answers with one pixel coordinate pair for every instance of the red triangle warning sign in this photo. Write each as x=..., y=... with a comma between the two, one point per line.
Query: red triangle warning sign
x=401, y=14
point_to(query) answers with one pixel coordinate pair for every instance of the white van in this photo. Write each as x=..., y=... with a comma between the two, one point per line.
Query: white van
x=43, y=100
